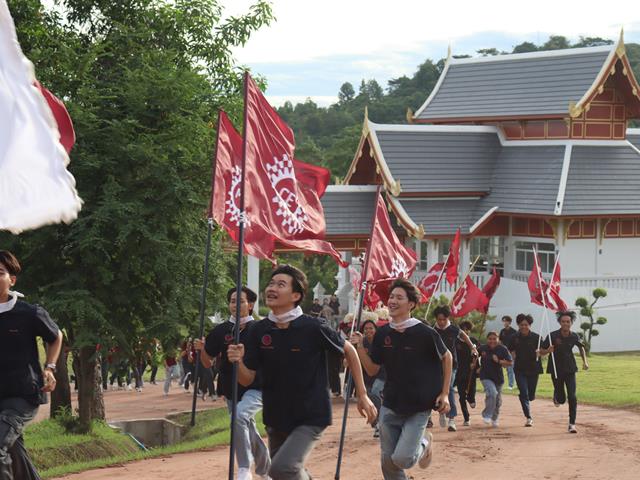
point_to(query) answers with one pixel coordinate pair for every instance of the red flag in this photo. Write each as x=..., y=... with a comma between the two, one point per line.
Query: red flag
x=453, y=260
x=356, y=279
x=429, y=282
x=467, y=299
x=491, y=287
x=537, y=285
x=62, y=117
x=285, y=207
x=554, y=290
x=372, y=299
x=388, y=257
x=314, y=176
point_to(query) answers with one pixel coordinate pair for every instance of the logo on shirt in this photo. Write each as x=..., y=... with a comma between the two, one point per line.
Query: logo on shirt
x=387, y=341
x=266, y=340
x=228, y=338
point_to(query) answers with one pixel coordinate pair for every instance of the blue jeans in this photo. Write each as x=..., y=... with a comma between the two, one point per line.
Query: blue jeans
x=510, y=376
x=493, y=399
x=452, y=395
x=170, y=373
x=248, y=443
x=375, y=394
x=527, y=385
x=15, y=413
x=400, y=442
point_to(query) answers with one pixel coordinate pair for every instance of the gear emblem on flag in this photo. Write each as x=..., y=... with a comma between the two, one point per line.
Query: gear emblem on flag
x=399, y=268
x=283, y=180
x=460, y=299
x=235, y=215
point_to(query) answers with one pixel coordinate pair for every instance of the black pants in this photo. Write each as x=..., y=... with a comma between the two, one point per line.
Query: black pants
x=15, y=463
x=527, y=385
x=334, y=362
x=568, y=381
x=154, y=372
x=466, y=380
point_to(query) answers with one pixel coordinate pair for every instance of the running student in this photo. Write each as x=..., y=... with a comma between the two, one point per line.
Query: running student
x=561, y=347
x=418, y=374
x=374, y=383
x=527, y=365
x=505, y=337
x=451, y=334
x=250, y=449
x=289, y=349
x=493, y=357
x=466, y=372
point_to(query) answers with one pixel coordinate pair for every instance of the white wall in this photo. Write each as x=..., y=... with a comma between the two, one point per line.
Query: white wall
x=620, y=256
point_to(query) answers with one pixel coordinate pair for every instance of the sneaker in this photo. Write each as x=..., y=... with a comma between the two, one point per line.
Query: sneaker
x=138, y=389
x=487, y=421
x=510, y=387
x=466, y=423
x=166, y=394
x=556, y=402
x=376, y=432
x=452, y=425
x=129, y=388
x=494, y=423
x=529, y=422
x=427, y=454
x=572, y=428
x=472, y=404
x=443, y=420
x=429, y=423
x=244, y=474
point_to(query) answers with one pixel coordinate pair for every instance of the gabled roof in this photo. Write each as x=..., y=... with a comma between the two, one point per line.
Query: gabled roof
x=549, y=84
x=348, y=211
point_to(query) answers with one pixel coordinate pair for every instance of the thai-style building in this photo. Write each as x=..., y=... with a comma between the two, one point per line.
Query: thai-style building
x=517, y=151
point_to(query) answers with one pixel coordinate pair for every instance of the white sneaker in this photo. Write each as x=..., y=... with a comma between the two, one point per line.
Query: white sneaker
x=487, y=421
x=443, y=420
x=129, y=388
x=452, y=425
x=529, y=422
x=427, y=454
x=466, y=423
x=572, y=428
x=494, y=423
x=244, y=474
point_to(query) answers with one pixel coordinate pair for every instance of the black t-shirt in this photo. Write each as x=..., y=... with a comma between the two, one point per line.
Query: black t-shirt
x=293, y=365
x=490, y=370
x=526, y=360
x=450, y=336
x=506, y=335
x=368, y=380
x=463, y=351
x=216, y=344
x=413, y=364
x=20, y=370
x=565, y=361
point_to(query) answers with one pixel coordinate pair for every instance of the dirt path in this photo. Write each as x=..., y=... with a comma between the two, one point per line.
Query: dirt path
x=606, y=447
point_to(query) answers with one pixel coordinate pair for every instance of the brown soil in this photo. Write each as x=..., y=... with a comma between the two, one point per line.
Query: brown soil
x=606, y=447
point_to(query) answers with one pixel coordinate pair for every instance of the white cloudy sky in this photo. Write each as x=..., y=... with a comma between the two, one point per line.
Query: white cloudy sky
x=316, y=45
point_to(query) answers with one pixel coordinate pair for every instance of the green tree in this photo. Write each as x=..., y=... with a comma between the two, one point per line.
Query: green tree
x=346, y=93
x=592, y=42
x=586, y=310
x=488, y=52
x=525, y=47
x=556, y=42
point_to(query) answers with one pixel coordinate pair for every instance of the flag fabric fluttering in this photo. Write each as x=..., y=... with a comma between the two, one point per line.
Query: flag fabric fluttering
x=491, y=287
x=554, y=290
x=538, y=287
x=468, y=298
x=62, y=117
x=429, y=283
x=36, y=188
x=453, y=260
x=356, y=278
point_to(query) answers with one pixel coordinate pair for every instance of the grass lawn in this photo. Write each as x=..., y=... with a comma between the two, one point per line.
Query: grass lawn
x=613, y=380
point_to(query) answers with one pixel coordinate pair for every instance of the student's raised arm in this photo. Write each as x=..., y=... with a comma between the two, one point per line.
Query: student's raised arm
x=235, y=354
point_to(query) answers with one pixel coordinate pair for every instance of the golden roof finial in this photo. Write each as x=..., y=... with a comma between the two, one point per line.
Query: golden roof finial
x=449, y=51
x=365, y=122
x=409, y=115
x=620, y=50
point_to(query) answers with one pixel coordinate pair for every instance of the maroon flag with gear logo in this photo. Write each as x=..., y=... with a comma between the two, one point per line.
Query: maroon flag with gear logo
x=467, y=299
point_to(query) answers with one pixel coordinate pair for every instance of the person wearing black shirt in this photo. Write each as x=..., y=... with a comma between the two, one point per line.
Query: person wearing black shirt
x=374, y=384
x=466, y=372
x=289, y=350
x=249, y=445
x=527, y=365
x=493, y=356
x=418, y=374
x=506, y=334
x=450, y=335
x=23, y=383
x=316, y=308
x=560, y=345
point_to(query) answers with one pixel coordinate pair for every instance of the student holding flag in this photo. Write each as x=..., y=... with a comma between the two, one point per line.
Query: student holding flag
x=289, y=349
x=418, y=368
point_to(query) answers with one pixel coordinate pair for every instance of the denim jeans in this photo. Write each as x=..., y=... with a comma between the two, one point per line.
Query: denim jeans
x=289, y=451
x=527, y=385
x=452, y=395
x=15, y=413
x=493, y=399
x=400, y=442
x=375, y=394
x=170, y=373
x=248, y=444
x=510, y=376
x=567, y=380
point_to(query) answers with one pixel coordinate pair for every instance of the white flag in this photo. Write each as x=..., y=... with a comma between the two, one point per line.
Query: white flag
x=35, y=187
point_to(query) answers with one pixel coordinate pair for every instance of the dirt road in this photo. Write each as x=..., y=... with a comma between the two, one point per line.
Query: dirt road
x=606, y=447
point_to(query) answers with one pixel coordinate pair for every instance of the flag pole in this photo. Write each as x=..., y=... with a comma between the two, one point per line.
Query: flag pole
x=545, y=319
x=203, y=296
x=356, y=322
x=435, y=289
x=236, y=331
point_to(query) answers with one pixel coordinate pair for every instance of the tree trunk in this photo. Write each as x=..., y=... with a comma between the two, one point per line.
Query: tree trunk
x=97, y=407
x=86, y=380
x=61, y=396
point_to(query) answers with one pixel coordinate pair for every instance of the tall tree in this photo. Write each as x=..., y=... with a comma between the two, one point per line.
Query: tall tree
x=346, y=93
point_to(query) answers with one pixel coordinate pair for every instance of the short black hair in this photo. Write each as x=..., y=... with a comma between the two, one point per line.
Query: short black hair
x=492, y=333
x=299, y=282
x=251, y=296
x=442, y=310
x=520, y=318
x=365, y=322
x=466, y=325
x=10, y=262
x=507, y=318
x=413, y=294
x=566, y=313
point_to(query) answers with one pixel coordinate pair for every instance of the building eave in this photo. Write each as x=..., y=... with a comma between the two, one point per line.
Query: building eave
x=404, y=219
x=436, y=87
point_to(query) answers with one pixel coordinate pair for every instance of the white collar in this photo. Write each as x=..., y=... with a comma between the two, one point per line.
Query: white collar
x=402, y=326
x=8, y=305
x=286, y=317
x=243, y=320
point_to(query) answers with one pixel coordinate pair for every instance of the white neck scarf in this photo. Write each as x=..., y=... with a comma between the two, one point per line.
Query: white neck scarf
x=401, y=326
x=243, y=320
x=286, y=317
x=8, y=305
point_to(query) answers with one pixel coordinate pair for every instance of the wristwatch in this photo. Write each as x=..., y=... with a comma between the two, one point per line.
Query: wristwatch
x=50, y=366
